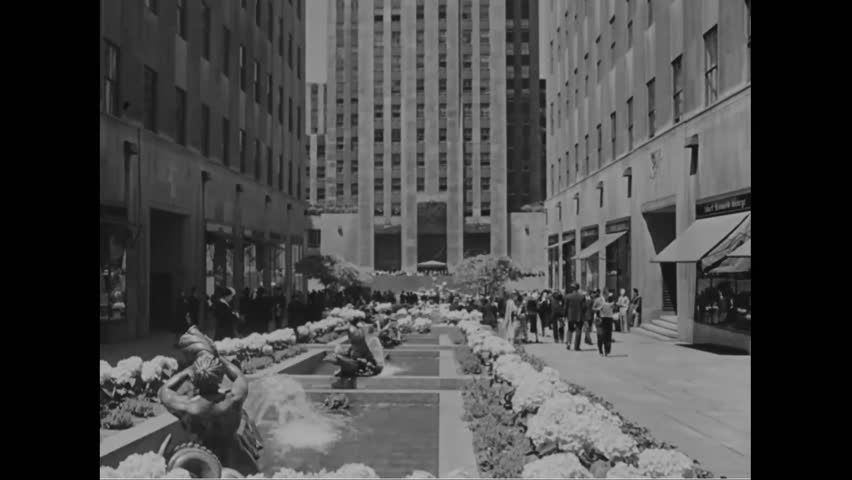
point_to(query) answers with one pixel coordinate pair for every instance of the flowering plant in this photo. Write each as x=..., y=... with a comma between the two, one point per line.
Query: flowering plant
x=623, y=470
x=560, y=465
x=148, y=465
x=534, y=389
x=405, y=324
x=659, y=463
x=422, y=325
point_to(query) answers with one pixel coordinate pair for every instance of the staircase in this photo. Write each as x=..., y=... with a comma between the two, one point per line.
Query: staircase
x=669, y=301
x=663, y=328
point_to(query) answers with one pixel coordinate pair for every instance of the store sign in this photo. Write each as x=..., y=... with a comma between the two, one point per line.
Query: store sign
x=724, y=206
x=619, y=226
x=589, y=232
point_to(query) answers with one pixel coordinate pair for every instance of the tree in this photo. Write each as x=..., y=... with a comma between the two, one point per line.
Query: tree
x=487, y=274
x=332, y=271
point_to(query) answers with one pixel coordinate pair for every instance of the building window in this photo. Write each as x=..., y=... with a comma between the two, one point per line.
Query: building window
x=629, y=186
x=651, y=109
x=650, y=13
x=630, y=34
x=153, y=6
x=600, y=145
x=111, y=79
x=299, y=123
x=314, y=238
x=442, y=135
x=226, y=52
x=226, y=141
x=242, y=146
x=630, y=124
x=396, y=135
x=290, y=52
x=395, y=160
x=586, y=147
x=205, y=130
x=677, y=87
x=613, y=130
x=269, y=91
x=257, y=13
x=270, y=21
x=290, y=114
x=280, y=105
x=181, y=18
x=150, y=88
x=243, y=68
x=711, y=66
x=290, y=179
x=601, y=196
x=421, y=183
x=442, y=184
x=269, y=175
x=257, y=89
x=257, y=149
x=299, y=62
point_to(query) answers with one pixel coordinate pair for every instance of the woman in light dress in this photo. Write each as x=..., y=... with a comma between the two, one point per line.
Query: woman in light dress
x=508, y=325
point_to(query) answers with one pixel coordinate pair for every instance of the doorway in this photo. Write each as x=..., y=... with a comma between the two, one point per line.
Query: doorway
x=168, y=252
x=662, y=226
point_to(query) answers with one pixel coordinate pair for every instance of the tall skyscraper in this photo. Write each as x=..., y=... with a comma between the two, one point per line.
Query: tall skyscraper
x=417, y=128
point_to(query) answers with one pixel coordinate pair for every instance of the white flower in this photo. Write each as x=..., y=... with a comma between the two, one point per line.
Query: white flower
x=422, y=325
x=127, y=370
x=659, y=463
x=148, y=465
x=267, y=350
x=560, y=465
x=150, y=371
x=354, y=470
x=613, y=443
x=107, y=472
x=177, y=473
x=460, y=473
x=534, y=389
x=106, y=372
x=623, y=470
x=303, y=331
x=420, y=474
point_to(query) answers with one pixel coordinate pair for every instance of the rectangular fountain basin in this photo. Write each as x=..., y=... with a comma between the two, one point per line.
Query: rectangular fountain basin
x=399, y=362
x=394, y=433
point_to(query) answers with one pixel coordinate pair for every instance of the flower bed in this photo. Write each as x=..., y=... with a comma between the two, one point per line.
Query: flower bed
x=153, y=465
x=527, y=422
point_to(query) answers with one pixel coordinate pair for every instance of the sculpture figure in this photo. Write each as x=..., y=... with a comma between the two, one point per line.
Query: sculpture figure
x=214, y=417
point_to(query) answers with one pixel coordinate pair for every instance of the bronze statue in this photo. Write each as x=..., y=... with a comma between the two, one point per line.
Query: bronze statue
x=214, y=417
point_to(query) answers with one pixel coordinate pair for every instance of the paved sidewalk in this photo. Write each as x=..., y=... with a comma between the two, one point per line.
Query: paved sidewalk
x=696, y=400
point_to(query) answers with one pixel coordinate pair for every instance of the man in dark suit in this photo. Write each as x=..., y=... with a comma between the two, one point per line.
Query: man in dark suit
x=575, y=306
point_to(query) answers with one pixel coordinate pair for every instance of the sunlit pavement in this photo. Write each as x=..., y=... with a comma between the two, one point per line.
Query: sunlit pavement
x=696, y=400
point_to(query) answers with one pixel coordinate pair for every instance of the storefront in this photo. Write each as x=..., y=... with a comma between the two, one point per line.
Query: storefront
x=588, y=258
x=552, y=260
x=719, y=244
x=617, y=255
x=297, y=250
x=219, y=257
x=569, y=249
x=278, y=261
x=253, y=259
x=114, y=237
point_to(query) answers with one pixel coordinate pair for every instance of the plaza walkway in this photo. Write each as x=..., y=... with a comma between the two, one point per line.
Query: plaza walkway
x=696, y=400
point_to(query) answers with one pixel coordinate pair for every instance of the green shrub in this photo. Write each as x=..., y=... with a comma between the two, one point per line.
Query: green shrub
x=537, y=363
x=457, y=337
x=139, y=407
x=470, y=363
x=117, y=419
x=498, y=434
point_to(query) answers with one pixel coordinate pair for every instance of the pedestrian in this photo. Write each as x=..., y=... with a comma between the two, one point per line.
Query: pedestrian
x=557, y=317
x=623, y=307
x=636, y=308
x=545, y=312
x=489, y=314
x=530, y=319
x=605, y=323
x=508, y=325
x=575, y=310
x=226, y=318
x=589, y=315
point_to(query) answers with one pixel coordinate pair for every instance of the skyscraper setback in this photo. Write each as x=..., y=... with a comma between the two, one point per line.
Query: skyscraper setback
x=426, y=126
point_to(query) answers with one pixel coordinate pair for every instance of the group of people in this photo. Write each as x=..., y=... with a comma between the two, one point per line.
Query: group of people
x=568, y=315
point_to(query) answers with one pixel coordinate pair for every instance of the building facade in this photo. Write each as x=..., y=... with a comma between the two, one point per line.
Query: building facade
x=649, y=125
x=315, y=144
x=417, y=151
x=201, y=154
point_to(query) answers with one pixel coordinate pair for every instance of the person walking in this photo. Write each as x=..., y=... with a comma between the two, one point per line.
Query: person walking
x=605, y=324
x=557, y=317
x=226, y=318
x=636, y=308
x=623, y=310
x=530, y=323
x=509, y=326
x=575, y=309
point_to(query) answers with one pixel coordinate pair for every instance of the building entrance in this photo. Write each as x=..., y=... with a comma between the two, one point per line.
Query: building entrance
x=168, y=253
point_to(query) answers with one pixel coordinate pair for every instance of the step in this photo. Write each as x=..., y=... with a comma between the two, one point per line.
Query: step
x=669, y=317
x=659, y=330
x=668, y=327
x=647, y=333
x=666, y=323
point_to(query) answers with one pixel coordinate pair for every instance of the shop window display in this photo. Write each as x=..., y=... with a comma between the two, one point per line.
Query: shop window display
x=219, y=263
x=569, y=248
x=252, y=267
x=724, y=300
x=589, y=266
x=113, y=278
x=618, y=264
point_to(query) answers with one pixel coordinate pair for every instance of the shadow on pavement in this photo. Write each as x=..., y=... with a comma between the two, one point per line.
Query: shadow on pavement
x=715, y=349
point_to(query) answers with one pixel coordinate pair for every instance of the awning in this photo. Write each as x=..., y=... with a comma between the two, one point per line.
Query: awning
x=743, y=251
x=599, y=245
x=693, y=244
x=733, y=265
